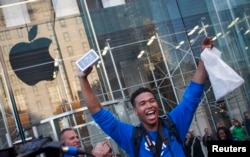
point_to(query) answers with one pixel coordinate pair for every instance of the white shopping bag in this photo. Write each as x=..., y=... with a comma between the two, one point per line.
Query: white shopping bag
x=223, y=78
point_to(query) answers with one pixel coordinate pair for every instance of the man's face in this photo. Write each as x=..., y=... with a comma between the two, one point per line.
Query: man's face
x=147, y=109
x=247, y=115
x=206, y=131
x=70, y=138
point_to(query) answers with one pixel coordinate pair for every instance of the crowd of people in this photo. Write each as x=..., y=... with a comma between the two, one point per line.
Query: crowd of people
x=197, y=146
x=238, y=131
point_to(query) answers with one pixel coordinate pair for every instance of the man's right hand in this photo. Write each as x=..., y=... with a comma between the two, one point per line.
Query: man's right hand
x=84, y=74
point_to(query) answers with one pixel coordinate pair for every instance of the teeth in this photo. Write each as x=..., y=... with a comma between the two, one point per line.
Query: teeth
x=150, y=112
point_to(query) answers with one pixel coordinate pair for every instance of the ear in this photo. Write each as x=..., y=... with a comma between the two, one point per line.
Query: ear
x=135, y=111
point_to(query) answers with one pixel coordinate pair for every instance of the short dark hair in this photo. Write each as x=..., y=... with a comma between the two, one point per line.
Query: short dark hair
x=227, y=132
x=246, y=112
x=138, y=92
x=63, y=131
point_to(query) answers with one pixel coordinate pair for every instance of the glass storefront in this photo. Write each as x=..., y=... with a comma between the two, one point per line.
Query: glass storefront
x=148, y=43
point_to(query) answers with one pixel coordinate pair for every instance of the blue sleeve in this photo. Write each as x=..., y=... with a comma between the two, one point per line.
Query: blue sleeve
x=183, y=113
x=117, y=130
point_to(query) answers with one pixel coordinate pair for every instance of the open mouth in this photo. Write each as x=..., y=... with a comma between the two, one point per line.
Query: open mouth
x=151, y=115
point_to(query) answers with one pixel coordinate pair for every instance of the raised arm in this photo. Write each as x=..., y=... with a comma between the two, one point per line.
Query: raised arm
x=200, y=75
x=91, y=100
x=93, y=103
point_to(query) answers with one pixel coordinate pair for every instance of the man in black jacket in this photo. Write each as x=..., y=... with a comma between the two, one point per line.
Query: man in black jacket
x=246, y=123
x=193, y=145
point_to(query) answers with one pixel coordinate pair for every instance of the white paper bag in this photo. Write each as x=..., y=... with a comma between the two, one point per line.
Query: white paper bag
x=223, y=78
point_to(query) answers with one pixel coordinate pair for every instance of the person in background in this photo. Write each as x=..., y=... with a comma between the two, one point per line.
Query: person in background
x=193, y=144
x=232, y=124
x=207, y=137
x=224, y=133
x=69, y=137
x=246, y=123
x=238, y=131
x=146, y=108
x=219, y=124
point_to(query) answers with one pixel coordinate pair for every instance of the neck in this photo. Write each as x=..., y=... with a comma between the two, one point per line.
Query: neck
x=151, y=127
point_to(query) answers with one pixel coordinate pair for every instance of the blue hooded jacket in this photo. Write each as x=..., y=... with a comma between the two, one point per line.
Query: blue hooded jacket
x=182, y=115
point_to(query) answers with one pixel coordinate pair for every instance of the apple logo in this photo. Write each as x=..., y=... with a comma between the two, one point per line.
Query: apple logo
x=31, y=60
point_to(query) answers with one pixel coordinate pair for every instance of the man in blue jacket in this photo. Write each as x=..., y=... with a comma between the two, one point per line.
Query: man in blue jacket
x=146, y=108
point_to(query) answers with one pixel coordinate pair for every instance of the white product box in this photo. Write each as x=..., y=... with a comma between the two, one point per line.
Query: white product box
x=88, y=59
